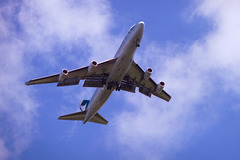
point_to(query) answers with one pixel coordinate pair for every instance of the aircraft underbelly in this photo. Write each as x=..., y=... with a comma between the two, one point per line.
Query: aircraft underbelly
x=122, y=64
x=118, y=72
x=100, y=97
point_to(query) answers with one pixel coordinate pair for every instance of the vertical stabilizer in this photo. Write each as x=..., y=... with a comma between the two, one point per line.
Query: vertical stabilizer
x=83, y=105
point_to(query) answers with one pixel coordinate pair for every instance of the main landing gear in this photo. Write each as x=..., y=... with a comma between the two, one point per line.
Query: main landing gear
x=118, y=87
x=111, y=84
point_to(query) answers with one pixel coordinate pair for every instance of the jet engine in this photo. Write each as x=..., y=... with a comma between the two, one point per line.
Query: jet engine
x=147, y=73
x=92, y=67
x=63, y=75
x=160, y=87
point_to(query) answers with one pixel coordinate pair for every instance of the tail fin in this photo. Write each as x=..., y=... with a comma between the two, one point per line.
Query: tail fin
x=83, y=105
x=97, y=118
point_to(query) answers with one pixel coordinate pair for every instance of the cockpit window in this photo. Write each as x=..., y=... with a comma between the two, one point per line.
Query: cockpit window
x=132, y=27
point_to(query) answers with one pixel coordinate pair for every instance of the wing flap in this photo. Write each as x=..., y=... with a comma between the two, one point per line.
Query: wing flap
x=129, y=88
x=94, y=82
x=164, y=95
x=128, y=85
x=68, y=82
x=145, y=91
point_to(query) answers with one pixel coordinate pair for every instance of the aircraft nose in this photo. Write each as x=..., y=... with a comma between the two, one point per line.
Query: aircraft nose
x=141, y=25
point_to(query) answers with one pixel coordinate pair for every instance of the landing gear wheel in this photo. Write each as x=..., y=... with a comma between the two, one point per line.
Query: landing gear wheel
x=109, y=87
x=137, y=43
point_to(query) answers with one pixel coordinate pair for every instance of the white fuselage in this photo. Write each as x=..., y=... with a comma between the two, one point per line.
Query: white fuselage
x=124, y=60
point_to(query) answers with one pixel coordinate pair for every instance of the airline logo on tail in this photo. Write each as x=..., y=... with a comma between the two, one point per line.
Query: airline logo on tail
x=84, y=105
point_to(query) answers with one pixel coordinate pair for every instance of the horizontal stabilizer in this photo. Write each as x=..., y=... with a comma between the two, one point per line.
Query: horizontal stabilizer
x=97, y=118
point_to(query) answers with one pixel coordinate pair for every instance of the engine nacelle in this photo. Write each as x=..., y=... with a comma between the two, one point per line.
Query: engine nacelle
x=62, y=75
x=160, y=87
x=147, y=73
x=92, y=67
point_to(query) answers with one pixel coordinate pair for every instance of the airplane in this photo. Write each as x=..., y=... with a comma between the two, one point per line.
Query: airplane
x=118, y=73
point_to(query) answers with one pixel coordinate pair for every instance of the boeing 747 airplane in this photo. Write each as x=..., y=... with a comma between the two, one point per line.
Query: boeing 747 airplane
x=119, y=73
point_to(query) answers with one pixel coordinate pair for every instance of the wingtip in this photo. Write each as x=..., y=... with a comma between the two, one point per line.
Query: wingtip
x=169, y=99
x=26, y=83
x=61, y=118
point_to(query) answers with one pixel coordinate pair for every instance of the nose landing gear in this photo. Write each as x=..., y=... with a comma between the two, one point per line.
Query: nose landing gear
x=137, y=43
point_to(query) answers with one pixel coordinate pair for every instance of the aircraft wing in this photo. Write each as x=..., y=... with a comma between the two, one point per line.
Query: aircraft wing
x=74, y=76
x=147, y=87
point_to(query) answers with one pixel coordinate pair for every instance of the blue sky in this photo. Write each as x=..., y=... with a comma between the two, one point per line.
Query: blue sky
x=191, y=45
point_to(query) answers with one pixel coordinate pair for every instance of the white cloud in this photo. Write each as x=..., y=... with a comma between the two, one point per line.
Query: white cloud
x=31, y=29
x=156, y=129
x=34, y=29
x=4, y=151
x=222, y=45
